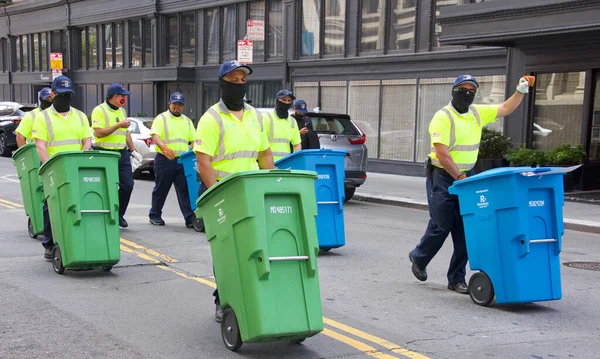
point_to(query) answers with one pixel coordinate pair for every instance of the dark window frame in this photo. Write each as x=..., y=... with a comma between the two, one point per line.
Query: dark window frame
x=113, y=44
x=180, y=37
x=140, y=23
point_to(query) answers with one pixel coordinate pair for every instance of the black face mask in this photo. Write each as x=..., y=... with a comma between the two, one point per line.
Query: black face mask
x=62, y=102
x=461, y=100
x=233, y=94
x=282, y=109
x=45, y=104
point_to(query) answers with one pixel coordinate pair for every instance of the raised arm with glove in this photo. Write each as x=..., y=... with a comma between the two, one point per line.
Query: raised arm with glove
x=510, y=105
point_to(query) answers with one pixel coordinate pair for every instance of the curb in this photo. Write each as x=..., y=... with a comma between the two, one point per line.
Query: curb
x=572, y=224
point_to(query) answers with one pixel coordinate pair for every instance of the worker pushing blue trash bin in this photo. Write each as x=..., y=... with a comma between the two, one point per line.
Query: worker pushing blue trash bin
x=329, y=190
x=514, y=226
x=190, y=170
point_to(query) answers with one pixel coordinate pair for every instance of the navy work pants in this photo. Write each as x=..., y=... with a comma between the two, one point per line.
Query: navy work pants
x=444, y=219
x=167, y=173
x=47, y=242
x=125, y=181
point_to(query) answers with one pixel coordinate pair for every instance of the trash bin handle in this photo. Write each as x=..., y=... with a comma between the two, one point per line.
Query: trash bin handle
x=290, y=258
x=546, y=240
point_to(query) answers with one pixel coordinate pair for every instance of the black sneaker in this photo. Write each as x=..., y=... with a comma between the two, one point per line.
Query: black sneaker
x=420, y=274
x=48, y=253
x=122, y=222
x=459, y=288
x=218, y=313
x=157, y=221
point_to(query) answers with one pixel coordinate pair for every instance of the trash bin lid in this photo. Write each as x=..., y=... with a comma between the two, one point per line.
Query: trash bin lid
x=188, y=154
x=313, y=152
x=504, y=171
x=22, y=149
x=88, y=153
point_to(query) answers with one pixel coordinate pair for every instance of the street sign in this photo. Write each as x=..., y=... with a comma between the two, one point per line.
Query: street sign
x=56, y=73
x=256, y=30
x=56, y=60
x=245, y=51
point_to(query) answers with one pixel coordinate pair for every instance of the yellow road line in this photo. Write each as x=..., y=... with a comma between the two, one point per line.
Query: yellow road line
x=6, y=206
x=395, y=348
x=367, y=349
x=148, y=251
x=181, y=274
x=5, y=202
x=141, y=255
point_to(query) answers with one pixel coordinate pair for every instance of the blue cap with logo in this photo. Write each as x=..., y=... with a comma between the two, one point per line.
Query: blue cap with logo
x=300, y=106
x=465, y=79
x=62, y=84
x=176, y=97
x=285, y=92
x=45, y=93
x=116, y=89
x=229, y=66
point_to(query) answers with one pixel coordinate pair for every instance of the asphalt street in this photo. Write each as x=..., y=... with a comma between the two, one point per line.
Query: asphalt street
x=157, y=302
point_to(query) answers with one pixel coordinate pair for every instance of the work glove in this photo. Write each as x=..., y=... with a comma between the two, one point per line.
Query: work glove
x=169, y=154
x=525, y=83
x=137, y=156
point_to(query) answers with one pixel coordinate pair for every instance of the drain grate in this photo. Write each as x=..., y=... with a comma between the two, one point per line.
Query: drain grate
x=595, y=266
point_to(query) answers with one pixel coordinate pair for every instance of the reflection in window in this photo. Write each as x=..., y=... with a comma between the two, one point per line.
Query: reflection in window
x=118, y=45
x=135, y=28
x=229, y=33
x=275, y=28
x=437, y=28
x=262, y=94
x=211, y=33
x=83, y=48
x=173, y=40
x=92, y=47
x=335, y=27
x=311, y=25
x=402, y=25
x=25, y=52
x=594, y=154
x=188, y=38
x=257, y=12
x=558, y=109
x=44, y=65
x=147, y=30
x=108, y=41
x=491, y=91
x=18, y=53
x=372, y=25
x=397, y=120
x=35, y=61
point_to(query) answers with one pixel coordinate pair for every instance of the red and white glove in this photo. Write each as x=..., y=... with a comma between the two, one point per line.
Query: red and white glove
x=525, y=83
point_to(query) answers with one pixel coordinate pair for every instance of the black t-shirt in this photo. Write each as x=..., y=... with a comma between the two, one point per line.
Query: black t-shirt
x=310, y=140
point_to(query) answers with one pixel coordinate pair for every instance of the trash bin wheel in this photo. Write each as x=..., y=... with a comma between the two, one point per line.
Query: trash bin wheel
x=198, y=224
x=107, y=268
x=30, y=228
x=298, y=341
x=230, y=330
x=57, y=263
x=325, y=249
x=481, y=289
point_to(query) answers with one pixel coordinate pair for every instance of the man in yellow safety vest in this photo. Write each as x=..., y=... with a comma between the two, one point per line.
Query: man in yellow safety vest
x=26, y=124
x=281, y=128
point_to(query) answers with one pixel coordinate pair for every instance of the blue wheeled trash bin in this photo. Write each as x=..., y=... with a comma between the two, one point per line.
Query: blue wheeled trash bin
x=514, y=226
x=190, y=170
x=329, y=190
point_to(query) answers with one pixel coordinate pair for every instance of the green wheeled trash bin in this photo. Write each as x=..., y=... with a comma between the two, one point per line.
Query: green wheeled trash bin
x=81, y=188
x=27, y=163
x=263, y=238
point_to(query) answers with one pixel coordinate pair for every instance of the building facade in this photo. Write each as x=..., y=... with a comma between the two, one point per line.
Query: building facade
x=387, y=63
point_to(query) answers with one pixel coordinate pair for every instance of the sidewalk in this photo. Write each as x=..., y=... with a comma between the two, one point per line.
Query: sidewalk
x=408, y=191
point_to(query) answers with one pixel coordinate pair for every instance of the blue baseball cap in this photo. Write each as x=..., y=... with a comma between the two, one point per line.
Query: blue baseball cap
x=465, y=79
x=45, y=93
x=229, y=66
x=116, y=89
x=62, y=84
x=177, y=97
x=300, y=106
x=285, y=92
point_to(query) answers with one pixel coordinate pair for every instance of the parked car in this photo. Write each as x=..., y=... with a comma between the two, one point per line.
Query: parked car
x=11, y=114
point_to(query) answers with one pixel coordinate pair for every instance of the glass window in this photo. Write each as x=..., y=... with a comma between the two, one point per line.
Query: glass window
x=35, y=61
x=18, y=53
x=335, y=27
x=311, y=27
x=437, y=30
x=25, y=52
x=83, y=49
x=398, y=106
x=558, y=109
x=594, y=154
x=108, y=41
x=434, y=94
x=333, y=96
x=2, y=57
x=229, y=33
x=210, y=95
x=262, y=93
x=491, y=91
x=118, y=44
x=257, y=12
x=211, y=31
x=402, y=25
x=173, y=40
x=188, y=38
x=275, y=28
x=372, y=25
x=135, y=28
x=44, y=42
x=147, y=29
x=363, y=108
x=92, y=47
x=307, y=91
x=56, y=43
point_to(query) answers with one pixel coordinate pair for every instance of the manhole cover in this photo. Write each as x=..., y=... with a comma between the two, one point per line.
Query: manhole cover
x=584, y=265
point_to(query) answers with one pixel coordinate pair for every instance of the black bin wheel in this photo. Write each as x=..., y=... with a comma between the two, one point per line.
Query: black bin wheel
x=230, y=330
x=57, y=263
x=107, y=268
x=30, y=228
x=199, y=224
x=481, y=289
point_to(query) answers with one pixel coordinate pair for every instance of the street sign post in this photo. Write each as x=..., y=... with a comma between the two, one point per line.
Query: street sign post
x=56, y=64
x=255, y=30
x=245, y=51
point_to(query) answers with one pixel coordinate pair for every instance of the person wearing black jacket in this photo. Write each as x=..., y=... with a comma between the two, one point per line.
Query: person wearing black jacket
x=310, y=139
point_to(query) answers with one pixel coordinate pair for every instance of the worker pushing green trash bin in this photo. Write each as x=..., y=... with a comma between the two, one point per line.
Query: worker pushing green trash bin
x=263, y=238
x=81, y=188
x=27, y=163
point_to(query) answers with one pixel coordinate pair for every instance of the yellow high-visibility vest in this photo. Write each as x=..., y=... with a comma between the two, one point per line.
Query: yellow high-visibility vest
x=61, y=133
x=177, y=132
x=26, y=124
x=282, y=132
x=103, y=117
